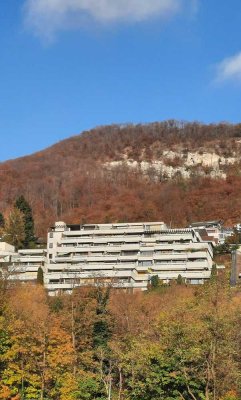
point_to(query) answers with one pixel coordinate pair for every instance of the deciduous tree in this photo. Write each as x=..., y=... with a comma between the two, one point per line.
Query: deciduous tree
x=14, y=232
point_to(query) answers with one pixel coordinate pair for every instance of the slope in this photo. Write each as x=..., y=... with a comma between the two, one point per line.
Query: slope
x=172, y=171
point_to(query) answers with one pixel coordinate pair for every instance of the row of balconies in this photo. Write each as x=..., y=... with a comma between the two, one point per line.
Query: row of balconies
x=134, y=247
x=71, y=286
x=32, y=252
x=69, y=282
x=32, y=259
x=23, y=277
x=23, y=268
x=128, y=239
x=202, y=255
x=103, y=235
x=131, y=267
x=27, y=264
x=110, y=231
x=137, y=248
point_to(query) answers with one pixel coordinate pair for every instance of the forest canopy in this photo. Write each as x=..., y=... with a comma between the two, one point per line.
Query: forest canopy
x=173, y=343
x=69, y=181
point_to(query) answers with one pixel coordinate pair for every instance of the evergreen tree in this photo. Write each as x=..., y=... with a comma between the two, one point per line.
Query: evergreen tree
x=40, y=276
x=155, y=282
x=25, y=208
x=2, y=221
x=180, y=280
x=101, y=328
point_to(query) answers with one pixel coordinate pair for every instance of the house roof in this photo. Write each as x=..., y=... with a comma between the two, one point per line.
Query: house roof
x=206, y=223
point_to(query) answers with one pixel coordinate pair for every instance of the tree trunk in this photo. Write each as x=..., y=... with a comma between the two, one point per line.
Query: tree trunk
x=73, y=337
x=120, y=384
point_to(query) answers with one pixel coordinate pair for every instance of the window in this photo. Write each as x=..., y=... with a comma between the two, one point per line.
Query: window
x=50, y=245
x=145, y=263
x=146, y=253
x=129, y=253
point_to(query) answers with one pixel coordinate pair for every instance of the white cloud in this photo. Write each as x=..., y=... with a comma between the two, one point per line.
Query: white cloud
x=229, y=69
x=46, y=17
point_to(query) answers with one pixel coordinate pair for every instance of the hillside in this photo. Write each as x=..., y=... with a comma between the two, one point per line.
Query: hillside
x=172, y=171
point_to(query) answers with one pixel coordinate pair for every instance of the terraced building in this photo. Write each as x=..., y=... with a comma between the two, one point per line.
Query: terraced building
x=124, y=255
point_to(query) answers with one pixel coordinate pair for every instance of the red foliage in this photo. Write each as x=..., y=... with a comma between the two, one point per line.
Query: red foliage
x=68, y=182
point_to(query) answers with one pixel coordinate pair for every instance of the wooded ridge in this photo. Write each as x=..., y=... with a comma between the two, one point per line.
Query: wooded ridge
x=172, y=171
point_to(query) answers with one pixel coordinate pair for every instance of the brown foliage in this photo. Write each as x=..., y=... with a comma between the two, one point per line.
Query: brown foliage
x=68, y=181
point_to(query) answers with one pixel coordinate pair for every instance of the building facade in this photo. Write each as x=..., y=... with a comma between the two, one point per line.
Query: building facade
x=25, y=264
x=22, y=265
x=124, y=255
x=6, y=253
x=212, y=231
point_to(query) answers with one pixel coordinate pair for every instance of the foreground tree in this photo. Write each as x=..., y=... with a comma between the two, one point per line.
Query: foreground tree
x=179, y=343
x=39, y=350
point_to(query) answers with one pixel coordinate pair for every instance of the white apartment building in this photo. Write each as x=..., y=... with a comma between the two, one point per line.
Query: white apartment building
x=6, y=250
x=6, y=253
x=213, y=231
x=22, y=265
x=125, y=255
x=25, y=264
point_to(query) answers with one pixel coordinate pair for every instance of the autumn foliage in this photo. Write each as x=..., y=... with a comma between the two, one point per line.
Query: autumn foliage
x=172, y=343
x=70, y=182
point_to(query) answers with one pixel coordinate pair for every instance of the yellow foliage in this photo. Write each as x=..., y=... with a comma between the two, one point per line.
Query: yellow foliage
x=5, y=392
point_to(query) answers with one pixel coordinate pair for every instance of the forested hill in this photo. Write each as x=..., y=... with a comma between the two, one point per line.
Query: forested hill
x=172, y=171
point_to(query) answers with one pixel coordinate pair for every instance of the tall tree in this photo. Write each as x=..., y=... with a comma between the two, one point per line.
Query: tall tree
x=40, y=276
x=14, y=232
x=22, y=204
x=2, y=221
x=40, y=351
x=101, y=328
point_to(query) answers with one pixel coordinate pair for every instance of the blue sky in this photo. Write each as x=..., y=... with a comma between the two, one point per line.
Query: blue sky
x=70, y=65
